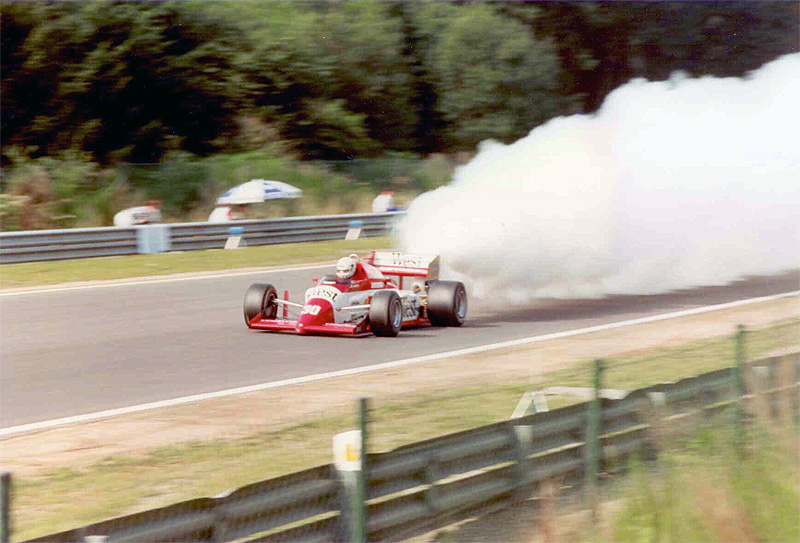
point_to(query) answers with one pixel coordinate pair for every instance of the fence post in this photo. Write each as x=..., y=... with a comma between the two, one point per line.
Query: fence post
x=593, y=429
x=350, y=461
x=738, y=384
x=362, y=477
x=5, y=507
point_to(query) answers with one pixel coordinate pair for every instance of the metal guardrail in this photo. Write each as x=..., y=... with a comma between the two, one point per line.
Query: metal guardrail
x=310, y=496
x=422, y=486
x=64, y=244
x=42, y=245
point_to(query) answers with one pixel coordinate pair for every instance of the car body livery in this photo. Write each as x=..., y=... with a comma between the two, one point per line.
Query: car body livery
x=373, y=300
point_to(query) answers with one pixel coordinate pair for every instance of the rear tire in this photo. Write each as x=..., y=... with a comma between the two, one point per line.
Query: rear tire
x=385, y=313
x=447, y=303
x=259, y=299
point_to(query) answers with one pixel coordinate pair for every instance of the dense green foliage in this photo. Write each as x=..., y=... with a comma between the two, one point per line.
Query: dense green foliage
x=105, y=82
x=73, y=191
x=120, y=80
x=135, y=80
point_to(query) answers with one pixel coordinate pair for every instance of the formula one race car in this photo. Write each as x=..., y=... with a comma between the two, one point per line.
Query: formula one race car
x=369, y=301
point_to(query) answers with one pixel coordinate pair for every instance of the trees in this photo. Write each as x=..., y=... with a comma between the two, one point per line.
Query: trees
x=121, y=80
x=136, y=81
x=330, y=76
x=601, y=45
x=493, y=79
x=724, y=39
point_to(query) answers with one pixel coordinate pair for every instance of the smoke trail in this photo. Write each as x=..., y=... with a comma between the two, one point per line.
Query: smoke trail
x=669, y=185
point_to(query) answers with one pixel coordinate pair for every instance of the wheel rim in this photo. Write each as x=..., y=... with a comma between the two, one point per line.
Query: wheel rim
x=396, y=314
x=461, y=305
x=269, y=309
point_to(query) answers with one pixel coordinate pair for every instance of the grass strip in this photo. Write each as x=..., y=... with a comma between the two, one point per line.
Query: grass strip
x=700, y=490
x=704, y=491
x=120, y=485
x=30, y=274
x=638, y=369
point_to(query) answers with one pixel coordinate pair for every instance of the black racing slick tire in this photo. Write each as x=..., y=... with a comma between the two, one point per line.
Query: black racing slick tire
x=385, y=313
x=259, y=298
x=447, y=303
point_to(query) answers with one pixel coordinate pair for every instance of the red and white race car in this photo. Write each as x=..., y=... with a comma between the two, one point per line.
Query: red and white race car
x=371, y=301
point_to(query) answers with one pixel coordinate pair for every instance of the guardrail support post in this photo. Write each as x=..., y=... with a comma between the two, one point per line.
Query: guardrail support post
x=152, y=238
x=5, y=507
x=593, y=429
x=362, y=478
x=738, y=384
x=350, y=460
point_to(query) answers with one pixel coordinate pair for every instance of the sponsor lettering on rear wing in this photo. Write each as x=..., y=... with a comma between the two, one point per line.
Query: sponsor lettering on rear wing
x=405, y=264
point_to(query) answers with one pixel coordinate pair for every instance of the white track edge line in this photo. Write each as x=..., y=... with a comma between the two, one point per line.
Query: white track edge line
x=153, y=280
x=91, y=417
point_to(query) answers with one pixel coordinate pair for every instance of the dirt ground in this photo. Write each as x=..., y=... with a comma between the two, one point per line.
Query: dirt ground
x=82, y=444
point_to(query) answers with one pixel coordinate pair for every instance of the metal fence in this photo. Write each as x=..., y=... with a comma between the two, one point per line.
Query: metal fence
x=94, y=242
x=419, y=487
x=64, y=244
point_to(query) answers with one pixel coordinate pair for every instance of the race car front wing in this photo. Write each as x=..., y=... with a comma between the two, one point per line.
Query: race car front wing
x=286, y=325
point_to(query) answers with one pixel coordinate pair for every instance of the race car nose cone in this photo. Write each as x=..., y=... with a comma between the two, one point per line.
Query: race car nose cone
x=315, y=313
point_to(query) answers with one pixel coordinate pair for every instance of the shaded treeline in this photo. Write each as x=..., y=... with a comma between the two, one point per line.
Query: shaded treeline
x=138, y=81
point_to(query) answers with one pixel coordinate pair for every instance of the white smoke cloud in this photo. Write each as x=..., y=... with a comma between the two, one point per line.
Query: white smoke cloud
x=669, y=185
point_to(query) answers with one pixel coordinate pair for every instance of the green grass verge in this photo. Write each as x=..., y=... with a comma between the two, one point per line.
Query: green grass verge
x=68, y=498
x=704, y=492
x=29, y=274
x=638, y=369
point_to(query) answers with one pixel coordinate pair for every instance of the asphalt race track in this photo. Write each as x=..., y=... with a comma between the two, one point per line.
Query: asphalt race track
x=71, y=352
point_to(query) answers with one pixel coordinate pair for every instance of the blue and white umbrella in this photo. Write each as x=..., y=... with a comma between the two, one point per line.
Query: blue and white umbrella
x=258, y=190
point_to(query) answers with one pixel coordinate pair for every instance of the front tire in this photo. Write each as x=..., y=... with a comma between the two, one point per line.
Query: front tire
x=385, y=313
x=447, y=303
x=259, y=299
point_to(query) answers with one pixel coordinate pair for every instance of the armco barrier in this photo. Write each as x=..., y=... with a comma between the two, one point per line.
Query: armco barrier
x=93, y=242
x=190, y=236
x=65, y=244
x=286, y=507
x=425, y=485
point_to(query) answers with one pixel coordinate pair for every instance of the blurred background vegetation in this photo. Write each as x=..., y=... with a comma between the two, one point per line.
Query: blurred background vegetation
x=108, y=103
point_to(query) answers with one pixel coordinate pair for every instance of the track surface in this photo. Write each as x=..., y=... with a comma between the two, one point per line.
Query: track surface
x=79, y=351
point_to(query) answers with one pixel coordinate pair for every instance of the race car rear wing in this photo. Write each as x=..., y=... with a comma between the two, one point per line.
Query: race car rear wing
x=405, y=264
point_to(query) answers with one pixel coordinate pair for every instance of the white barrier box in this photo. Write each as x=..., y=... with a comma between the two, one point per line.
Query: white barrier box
x=152, y=238
x=354, y=230
x=235, y=238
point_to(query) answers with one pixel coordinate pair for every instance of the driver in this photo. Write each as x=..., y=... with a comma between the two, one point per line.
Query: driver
x=346, y=267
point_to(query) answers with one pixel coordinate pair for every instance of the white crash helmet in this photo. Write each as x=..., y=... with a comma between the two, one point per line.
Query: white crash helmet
x=345, y=268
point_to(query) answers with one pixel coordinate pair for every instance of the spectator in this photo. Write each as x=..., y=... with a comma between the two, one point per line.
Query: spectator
x=220, y=214
x=239, y=212
x=228, y=213
x=383, y=202
x=155, y=212
x=146, y=214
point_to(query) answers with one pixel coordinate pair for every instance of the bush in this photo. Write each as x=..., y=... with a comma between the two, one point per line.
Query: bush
x=179, y=184
x=31, y=197
x=71, y=191
x=53, y=193
x=10, y=209
x=435, y=171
